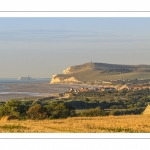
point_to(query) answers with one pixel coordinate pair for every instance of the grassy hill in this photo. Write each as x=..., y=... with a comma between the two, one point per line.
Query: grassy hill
x=103, y=71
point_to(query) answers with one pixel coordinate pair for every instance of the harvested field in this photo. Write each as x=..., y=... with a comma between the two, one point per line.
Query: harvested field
x=106, y=124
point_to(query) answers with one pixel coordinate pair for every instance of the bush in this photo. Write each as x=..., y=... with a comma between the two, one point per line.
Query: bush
x=116, y=112
x=126, y=112
x=93, y=112
x=36, y=112
x=59, y=111
x=15, y=107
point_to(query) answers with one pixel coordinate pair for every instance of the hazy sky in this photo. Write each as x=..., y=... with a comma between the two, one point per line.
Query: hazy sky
x=41, y=47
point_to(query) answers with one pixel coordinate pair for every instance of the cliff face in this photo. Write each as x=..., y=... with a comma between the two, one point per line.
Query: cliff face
x=67, y=71
x=59, y=79
x=55, y=79
x=65, y=77
x=71, y=79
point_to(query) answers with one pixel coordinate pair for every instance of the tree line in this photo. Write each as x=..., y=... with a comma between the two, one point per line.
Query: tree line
x=91, y=103
x=35, y=110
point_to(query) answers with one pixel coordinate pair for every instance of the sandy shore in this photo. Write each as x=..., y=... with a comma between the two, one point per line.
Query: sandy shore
x=21, y=90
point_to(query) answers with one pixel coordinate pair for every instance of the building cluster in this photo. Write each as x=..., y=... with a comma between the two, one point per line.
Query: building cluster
x=133, y=87
x=98, y=89
x=85, y=89
x=108, y=88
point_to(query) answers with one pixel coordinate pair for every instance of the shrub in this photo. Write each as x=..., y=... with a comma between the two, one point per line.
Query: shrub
x=93, y=112
x=36, y=112
x=14, y=107
x=59, y=111
x=8, y=111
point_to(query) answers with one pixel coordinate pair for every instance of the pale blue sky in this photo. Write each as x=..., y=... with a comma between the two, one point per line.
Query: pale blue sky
x=41, y=47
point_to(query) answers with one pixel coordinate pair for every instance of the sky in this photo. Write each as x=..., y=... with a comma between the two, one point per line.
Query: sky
x=41, y=47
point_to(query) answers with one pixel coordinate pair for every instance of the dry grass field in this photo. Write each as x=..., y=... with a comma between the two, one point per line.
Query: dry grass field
x=107, y=124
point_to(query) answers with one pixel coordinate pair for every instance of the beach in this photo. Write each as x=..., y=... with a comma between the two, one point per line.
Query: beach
x=32, y=89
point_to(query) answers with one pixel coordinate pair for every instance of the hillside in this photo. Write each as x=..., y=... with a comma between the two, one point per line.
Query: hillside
x=101, y=71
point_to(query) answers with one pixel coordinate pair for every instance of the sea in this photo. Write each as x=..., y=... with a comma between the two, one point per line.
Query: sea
x=11, y=88
x=14, y=80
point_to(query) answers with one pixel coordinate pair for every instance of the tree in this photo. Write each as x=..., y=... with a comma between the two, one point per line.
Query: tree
x=59, y=111
x=12, y=108
x=36, y=112
x=94, y=112
x=36, y=102
x=15, y=106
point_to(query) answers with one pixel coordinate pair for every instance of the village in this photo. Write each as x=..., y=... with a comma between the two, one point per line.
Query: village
x=102, y=88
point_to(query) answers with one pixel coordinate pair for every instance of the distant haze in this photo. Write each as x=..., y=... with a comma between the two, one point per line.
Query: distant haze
x=41, y=47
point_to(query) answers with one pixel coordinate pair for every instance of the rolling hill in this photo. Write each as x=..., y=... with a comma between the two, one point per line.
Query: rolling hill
x=101, y=71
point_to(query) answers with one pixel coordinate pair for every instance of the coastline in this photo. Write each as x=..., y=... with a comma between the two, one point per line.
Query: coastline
x=88, y=85
x=34, y=89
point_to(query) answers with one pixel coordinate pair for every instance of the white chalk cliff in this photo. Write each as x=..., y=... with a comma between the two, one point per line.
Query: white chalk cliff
x=57, y=78
x=67, y=71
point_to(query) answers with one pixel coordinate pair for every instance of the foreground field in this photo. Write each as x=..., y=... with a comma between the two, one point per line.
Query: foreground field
x=107, y=124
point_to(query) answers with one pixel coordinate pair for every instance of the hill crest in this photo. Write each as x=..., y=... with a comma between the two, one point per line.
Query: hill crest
x=101, y=71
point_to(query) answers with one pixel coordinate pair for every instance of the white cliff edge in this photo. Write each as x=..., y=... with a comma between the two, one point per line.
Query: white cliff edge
x=67, y=71
x=57, y=79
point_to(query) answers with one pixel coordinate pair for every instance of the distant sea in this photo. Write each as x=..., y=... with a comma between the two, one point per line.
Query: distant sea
x=14, y=80
x=11, y=88
x=15, y=89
